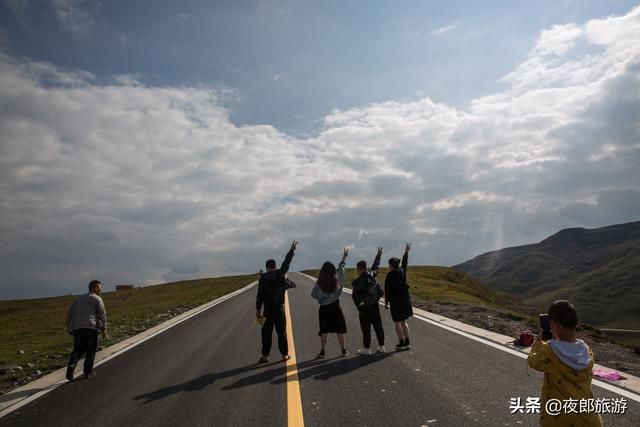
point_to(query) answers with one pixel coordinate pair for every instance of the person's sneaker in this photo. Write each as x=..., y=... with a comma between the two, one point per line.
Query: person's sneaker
x=263, y=359
x=407, y=346
x=381, y=349
x=286, y=357
x=345, y=352
x=70, y=373
x=321, y=354
x=400, y=345
x=364, y=351
x=89, y=375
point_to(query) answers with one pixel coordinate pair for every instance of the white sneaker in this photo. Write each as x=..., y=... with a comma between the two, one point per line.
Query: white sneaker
x=365, y=351
x=381, y=349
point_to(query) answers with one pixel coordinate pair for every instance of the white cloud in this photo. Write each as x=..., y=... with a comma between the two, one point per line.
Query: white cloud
x=557, y=40
x=127, y=79
x=465, y=199
x=130, y=183
x=443, y=30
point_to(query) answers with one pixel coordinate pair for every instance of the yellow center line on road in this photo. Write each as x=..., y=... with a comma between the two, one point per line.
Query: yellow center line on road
x=295, y=418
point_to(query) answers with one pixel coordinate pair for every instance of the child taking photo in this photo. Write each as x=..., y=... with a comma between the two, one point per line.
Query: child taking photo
x=567, y=363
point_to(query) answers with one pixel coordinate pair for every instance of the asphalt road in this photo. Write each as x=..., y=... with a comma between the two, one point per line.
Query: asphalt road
x=203, y=372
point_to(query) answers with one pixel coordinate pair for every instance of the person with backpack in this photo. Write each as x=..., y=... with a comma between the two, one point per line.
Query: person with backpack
x=366, y=294
x=271, y=293
x=396, y=294
x=327, y=291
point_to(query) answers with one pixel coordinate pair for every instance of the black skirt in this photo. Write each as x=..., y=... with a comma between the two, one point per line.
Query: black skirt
x=401, y=311
x=332, y=319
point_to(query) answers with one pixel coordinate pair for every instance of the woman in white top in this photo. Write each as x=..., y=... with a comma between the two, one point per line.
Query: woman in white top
x=327, y=291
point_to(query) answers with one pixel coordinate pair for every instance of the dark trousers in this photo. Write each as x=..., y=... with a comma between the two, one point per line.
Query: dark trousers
x=85, y=341
x=275, y=318
x=370, y=316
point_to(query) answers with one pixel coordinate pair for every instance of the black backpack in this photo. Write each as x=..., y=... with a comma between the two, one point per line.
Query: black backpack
x=372, y=294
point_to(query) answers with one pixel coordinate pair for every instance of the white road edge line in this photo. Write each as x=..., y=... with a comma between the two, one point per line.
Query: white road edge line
x=606, y=386
x=171, y=323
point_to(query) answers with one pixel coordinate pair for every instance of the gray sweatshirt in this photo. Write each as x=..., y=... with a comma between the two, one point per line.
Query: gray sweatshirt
x=573, y=354
x=326, y=298
x=86, y=312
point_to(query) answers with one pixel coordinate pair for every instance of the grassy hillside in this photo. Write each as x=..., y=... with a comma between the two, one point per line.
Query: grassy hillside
x=599, y=270
x=443, y=284
x=34, y=337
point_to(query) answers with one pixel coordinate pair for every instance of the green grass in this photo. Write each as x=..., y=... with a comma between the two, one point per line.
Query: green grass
x=443, y=284
x=36, y=326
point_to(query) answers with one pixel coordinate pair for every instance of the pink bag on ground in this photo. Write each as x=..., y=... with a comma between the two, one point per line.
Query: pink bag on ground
x=607, y=375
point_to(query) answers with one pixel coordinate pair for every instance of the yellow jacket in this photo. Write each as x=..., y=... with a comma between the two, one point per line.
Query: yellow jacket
x=562, y=382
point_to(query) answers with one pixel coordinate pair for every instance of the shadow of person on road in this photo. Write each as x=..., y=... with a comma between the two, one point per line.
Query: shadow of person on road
x=7, y=397
x=264, y=377
x=319, y=369
x=199, y=383
x=334, y=368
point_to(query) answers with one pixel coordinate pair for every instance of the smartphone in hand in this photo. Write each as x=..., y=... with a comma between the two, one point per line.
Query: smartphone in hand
x=545, y=325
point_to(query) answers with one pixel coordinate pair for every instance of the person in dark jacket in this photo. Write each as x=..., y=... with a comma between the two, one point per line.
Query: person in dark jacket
x=271, y=293
x=366, y=294
x=327, y=291
x=396, y=293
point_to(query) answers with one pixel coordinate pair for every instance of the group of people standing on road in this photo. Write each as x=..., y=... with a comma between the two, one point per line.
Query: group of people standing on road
x=566, y=361
x=366, y=294
x=87, y=316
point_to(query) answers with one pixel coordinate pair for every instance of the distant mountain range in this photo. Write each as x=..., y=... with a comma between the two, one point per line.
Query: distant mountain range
x=597, y=269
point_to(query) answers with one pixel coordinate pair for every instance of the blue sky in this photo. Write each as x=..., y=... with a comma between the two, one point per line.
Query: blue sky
x=290, y=63
x=142, y=144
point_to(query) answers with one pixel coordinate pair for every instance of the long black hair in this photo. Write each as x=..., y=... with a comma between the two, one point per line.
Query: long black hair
x=327, y=279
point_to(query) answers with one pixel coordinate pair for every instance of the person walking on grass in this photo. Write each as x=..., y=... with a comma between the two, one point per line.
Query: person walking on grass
x=396, y=294
x=271, y=293
x=366, y=294
x=85, y=317
x=327, y=291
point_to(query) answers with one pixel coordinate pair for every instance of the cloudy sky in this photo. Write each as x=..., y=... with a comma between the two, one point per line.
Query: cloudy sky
x=144, y=143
